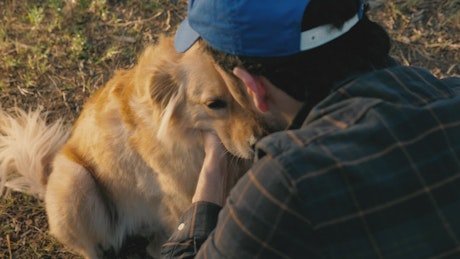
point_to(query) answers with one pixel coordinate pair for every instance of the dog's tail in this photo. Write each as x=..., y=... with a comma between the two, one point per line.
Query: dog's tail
x=28, y=145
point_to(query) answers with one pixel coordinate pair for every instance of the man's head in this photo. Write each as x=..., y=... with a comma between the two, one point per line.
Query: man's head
x=303, y=47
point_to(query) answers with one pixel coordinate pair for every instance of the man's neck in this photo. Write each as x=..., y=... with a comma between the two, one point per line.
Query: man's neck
x=285, y=105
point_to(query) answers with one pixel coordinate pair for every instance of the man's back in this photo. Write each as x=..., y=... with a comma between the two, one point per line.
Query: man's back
x=373, y=172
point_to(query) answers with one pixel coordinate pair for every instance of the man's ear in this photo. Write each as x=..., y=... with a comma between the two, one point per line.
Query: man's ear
x=255, y=87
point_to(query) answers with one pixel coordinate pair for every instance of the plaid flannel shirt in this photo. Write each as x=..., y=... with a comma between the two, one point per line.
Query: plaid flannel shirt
x=373, y=172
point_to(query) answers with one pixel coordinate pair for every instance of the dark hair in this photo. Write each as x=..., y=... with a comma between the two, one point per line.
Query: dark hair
x=309, y=75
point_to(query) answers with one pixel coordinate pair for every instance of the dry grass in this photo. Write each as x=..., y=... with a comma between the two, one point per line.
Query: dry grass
x=426, y=33
x=55, y=53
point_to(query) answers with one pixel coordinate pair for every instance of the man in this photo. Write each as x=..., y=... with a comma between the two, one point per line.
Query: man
x=365, y=162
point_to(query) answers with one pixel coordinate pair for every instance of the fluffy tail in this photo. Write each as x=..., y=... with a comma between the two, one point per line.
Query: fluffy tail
x=27, y=147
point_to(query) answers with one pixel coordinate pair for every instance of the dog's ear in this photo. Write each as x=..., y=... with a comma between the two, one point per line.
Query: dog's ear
x=237, y=89
x=157, y=72
x=164, y=86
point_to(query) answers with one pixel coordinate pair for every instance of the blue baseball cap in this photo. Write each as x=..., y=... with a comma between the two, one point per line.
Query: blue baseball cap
x=268, y=28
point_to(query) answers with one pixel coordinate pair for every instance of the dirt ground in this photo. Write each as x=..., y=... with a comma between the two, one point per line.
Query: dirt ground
x=55, y=53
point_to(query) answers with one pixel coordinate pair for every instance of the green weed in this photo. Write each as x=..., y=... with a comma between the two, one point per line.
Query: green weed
x=35, y=16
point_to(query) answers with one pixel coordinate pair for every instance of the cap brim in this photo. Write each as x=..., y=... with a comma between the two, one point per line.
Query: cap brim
x=185, y=37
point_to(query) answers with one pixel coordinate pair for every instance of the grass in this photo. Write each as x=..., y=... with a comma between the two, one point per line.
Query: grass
x=55, y=53
x=426, y=33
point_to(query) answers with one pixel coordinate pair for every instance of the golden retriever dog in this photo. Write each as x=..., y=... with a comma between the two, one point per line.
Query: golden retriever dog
x=129, y=165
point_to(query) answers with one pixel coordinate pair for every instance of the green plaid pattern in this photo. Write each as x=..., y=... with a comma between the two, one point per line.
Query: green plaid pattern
x=373, y=172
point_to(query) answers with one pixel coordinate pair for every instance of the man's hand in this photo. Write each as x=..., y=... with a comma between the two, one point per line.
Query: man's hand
x=212, y=182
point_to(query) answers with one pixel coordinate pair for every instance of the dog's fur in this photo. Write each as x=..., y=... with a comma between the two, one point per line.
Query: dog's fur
x=131, y=162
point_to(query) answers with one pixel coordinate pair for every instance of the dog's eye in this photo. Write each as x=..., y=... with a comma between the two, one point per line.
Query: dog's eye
x=216, y=104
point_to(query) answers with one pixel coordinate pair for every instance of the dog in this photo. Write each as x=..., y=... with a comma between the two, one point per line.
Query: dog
x=129, y=164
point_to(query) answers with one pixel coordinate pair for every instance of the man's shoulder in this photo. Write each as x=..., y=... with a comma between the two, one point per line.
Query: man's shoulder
x=369, y=107
x=398, y=84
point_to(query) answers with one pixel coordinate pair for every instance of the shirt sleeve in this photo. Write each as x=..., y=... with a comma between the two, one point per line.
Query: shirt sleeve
x=193, y=229
x=262, y=219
